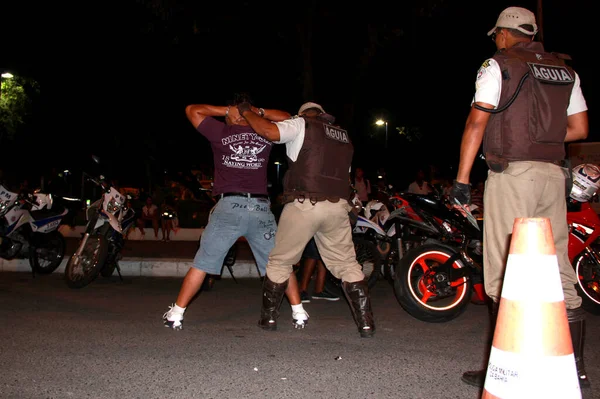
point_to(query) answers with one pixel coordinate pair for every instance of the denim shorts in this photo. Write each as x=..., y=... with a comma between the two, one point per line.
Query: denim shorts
x=230, y=219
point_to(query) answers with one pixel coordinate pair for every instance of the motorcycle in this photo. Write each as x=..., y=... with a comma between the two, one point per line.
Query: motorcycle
x=99, y=250
x=584, y=230
x=29, y=229
x=441, y=274
x=435, y=281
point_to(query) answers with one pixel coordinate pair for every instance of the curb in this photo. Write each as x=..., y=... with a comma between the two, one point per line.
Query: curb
x=146, y=267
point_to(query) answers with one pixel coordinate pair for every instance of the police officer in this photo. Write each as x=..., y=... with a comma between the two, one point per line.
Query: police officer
x=316, y=192
x=527, y=104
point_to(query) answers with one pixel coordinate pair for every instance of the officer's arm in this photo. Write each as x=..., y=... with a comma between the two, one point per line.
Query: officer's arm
x=577, y=126
x=263, y=127
x=275, y=115
x=471, y=140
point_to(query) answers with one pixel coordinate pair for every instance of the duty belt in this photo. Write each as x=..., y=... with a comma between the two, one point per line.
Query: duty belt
x=312, y=198
x=499, y=164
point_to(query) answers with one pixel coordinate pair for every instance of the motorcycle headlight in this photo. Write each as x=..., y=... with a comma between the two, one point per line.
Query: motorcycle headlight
x=3, y=207
x=113, y=206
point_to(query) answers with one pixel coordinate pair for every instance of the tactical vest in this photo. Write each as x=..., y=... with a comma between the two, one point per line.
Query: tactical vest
x=322, y=169
x=534, y=126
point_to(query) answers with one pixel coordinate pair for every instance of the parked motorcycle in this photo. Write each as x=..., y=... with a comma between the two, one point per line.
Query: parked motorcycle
x=434, y=282
x=99, y=251
x=584, y=230
x=436, y=279
x=29, y=229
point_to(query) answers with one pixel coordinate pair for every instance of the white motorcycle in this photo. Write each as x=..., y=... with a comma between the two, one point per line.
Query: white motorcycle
x=99, y=250
x=29, y=229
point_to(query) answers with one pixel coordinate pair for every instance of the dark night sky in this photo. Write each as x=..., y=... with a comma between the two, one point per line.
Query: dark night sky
x=121, y=70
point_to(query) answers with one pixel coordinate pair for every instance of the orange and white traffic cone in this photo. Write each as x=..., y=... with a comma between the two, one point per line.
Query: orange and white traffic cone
x=532, y=354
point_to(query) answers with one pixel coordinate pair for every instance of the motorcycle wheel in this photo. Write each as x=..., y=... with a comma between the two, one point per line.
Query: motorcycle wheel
x=45, y=258
x=588, y=282
x=415, y=275
x=81, y=271
x=370, y=259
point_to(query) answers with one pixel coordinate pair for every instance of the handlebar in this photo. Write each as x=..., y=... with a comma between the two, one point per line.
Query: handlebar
x=100, y=182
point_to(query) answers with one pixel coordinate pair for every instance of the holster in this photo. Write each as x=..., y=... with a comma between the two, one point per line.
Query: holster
x=496, y=163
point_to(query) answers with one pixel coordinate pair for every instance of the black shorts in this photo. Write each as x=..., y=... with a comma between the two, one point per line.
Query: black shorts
x=311, y=251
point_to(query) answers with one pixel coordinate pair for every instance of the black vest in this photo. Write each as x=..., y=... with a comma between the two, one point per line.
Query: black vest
x=534, y=126
x=322, y=170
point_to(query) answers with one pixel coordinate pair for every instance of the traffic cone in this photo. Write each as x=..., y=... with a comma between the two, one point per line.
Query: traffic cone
x=532, y=354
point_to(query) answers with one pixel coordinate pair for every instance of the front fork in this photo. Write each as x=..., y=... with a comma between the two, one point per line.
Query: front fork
x=90, y=226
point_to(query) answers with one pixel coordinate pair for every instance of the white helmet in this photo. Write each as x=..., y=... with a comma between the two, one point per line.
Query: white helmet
x=586, y=180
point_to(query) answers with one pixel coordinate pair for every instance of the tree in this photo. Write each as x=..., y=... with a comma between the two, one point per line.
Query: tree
x=16, y=105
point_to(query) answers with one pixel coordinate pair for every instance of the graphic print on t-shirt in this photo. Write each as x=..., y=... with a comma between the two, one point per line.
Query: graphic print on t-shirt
x=246, y=151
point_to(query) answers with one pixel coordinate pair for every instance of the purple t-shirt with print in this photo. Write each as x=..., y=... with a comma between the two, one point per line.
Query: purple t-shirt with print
x=240, y=155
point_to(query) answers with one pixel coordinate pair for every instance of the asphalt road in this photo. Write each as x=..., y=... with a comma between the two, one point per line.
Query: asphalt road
x=107, y=341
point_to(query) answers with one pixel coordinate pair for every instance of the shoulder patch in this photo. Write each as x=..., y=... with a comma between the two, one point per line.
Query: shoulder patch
x=485, y=64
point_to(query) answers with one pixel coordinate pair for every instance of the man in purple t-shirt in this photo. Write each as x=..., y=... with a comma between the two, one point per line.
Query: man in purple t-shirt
x=243, y=209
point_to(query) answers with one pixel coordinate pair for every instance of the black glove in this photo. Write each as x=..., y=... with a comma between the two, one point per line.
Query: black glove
x=461, y=192
x=243, y=107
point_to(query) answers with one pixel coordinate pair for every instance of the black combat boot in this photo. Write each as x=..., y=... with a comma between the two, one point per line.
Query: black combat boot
x=576, y=319
x=357, y=294
x=272, y=295
x=476, y=378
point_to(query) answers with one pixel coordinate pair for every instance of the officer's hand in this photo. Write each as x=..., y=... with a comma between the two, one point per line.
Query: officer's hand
x=243, y=107
x=461, y=192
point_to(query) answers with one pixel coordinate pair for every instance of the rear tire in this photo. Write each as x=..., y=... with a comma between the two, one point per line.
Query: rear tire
x=82, y=270
x=416, y=275
x=108, y=269
x=53, y=246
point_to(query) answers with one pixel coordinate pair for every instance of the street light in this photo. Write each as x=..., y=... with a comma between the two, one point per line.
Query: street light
x=380, y=122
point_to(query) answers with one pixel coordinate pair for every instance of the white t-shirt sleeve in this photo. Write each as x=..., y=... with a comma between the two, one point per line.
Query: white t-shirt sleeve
x=577, y=102
x=291, y=133
x=488, y=85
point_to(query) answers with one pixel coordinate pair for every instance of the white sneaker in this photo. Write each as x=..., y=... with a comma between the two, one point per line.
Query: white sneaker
x=300, y=319
x=173, y=319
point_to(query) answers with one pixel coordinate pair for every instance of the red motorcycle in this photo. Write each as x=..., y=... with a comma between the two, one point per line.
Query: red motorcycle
x=436, y=279
x=584, y=252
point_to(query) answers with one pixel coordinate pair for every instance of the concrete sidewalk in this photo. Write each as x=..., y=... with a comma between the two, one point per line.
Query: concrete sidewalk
x=153, y=259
